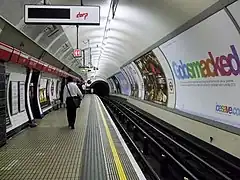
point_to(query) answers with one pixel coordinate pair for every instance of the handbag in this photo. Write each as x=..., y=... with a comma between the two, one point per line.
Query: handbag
x=76, y=100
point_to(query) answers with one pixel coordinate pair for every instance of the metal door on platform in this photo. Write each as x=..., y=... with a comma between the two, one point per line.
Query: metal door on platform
x=33, y=94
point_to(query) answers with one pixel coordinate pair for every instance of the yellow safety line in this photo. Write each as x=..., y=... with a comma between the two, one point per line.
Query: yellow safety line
x=121, y=173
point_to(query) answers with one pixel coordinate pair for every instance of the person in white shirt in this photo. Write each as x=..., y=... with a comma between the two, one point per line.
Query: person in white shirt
x=74, y=91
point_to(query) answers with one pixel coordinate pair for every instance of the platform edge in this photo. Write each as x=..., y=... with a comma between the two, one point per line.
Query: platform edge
x=128, y=152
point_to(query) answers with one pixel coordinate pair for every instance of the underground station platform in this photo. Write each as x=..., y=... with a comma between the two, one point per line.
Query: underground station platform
x=94, y=150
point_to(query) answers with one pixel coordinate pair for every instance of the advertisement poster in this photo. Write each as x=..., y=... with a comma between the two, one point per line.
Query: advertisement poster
x=139, y=79
x=110, y=85
x=42, y=91
x=117, y=85
x=132, y=81
x=124, y=85
x=169, y=77
x=52, y=89
x=21, y=86
x=127, y=81
x=206, y=69
x=155, y=85
x=14, y=97
x=58, y=88
x=42, y=95
x=136, y=80
x=114, y=89
x=48, y=89
x=8, y=121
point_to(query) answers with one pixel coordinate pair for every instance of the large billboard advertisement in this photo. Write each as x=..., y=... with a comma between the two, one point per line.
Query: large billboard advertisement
x=206, y=66
x=117, y=85
x=43, y=93
x=169, y=77
x=134, y=87
x=129, y=84
x=110, y=85
x=138, y=85
x=113, y=86
x=155, y=85
x=124, y=85
x=8, y=120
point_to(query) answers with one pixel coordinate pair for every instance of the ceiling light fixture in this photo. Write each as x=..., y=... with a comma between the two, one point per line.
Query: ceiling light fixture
x=105, y=31
x=114, y=7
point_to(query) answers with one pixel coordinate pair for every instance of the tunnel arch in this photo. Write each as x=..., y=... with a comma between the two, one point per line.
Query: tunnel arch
x=122, y=38
x=100, y=88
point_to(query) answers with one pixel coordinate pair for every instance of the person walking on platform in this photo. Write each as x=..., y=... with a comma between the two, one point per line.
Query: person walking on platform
x=71, y=97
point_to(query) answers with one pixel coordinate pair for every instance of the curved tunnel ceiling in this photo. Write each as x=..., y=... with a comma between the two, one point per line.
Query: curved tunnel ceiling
x=137, y=25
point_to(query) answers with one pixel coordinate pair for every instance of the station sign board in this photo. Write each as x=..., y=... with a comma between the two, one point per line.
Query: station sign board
x=64, y=15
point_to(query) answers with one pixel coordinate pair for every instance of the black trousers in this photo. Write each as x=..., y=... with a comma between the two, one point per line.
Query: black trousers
x=71, y=114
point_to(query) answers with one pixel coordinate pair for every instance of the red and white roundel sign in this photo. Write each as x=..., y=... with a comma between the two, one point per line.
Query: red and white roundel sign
x=77, y=53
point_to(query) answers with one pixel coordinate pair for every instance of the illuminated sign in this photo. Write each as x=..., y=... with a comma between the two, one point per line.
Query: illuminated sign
x=80, y=15
x=77, y=53
x=51, y=14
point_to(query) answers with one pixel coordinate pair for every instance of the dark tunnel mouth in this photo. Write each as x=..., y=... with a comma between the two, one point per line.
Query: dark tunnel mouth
x=101, y=88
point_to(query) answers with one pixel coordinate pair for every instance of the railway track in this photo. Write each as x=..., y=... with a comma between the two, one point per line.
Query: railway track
x=164, y=153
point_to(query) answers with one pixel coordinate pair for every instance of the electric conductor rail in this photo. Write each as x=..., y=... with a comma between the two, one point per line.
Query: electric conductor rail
x=176, y=157
x=202, y=149
x=132, y=129
x=220, y=163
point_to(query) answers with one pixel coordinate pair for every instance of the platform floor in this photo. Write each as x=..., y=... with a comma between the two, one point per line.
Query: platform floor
x=92, y=151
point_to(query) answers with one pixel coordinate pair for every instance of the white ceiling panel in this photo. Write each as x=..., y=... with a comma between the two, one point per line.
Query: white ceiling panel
x=137, y=25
